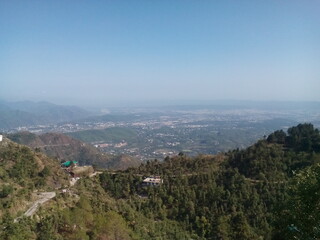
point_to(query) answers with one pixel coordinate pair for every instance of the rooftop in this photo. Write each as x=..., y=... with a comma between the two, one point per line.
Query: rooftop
x=153, y=180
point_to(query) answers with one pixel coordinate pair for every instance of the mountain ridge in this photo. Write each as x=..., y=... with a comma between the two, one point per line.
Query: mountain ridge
x=66, y=148
x=28, y=113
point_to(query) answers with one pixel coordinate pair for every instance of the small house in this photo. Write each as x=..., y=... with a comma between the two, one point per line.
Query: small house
x=152, y=181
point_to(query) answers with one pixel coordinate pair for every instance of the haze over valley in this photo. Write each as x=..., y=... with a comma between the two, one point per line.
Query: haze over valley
x=156, y=132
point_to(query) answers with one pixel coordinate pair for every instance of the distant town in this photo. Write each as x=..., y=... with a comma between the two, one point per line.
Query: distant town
x=145, y=135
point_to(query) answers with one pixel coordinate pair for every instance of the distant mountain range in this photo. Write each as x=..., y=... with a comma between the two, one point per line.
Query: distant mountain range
x=27, y=113
x=65, y=148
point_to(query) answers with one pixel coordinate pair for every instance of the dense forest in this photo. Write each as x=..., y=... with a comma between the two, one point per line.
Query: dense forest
x=268, y=191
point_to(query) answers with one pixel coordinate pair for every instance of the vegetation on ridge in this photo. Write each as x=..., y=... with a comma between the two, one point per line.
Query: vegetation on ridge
x=267, y=191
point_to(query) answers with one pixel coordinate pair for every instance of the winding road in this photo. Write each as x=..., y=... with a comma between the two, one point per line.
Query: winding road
x=44, y=197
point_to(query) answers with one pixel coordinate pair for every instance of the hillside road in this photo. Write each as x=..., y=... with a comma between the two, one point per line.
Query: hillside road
x=44, y=197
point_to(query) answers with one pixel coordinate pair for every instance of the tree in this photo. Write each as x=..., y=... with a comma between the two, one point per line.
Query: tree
x=299, y=217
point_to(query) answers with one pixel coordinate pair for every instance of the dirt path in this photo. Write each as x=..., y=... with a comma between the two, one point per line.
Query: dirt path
x=73, y=181
x=54, y=145
x=44, y=197
x=262, y=181
x=94, y=174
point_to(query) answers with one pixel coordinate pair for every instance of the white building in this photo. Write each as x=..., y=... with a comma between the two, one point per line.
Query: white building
x=152, y=181
x=0, y=138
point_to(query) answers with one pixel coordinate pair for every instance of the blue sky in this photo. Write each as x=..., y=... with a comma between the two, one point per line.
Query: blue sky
x=112, y=52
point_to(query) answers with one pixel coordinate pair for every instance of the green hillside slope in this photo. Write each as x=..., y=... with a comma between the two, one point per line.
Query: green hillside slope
x=233, y=196
x=267, y=191
x=23, y=171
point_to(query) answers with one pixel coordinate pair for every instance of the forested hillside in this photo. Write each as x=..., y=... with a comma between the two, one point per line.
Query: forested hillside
x=23, y=171
x=236, y=195
x=267, y=191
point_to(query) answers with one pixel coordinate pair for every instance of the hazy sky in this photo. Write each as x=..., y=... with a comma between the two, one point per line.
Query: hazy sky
x=125, y=51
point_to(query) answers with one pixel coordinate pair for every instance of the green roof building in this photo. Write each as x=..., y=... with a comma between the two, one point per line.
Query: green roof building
x=69, y=163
